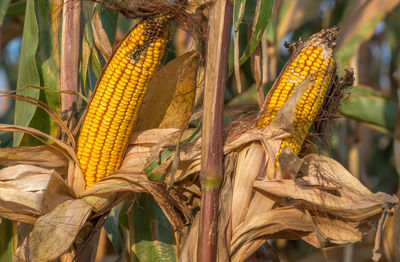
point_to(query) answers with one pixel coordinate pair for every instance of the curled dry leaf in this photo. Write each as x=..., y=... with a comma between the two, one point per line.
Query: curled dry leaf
x=332, y=206
x=108, y=192
x=100, y=36
x=43, y=156
x=27, y=192
x=54, y=233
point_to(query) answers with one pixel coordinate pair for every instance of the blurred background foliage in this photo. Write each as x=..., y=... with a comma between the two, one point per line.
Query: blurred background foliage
x=363, y=139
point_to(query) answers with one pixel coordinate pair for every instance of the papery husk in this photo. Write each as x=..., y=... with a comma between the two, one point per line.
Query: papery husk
x=107, y=193
x=177, y=82
x=54, y=233
x=39, y=196
x=44, y=156
x=27, y=192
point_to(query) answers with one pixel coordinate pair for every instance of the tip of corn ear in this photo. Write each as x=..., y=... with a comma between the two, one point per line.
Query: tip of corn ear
x=326, y=36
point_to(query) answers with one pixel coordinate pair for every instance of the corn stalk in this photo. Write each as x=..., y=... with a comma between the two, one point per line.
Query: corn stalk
x=70, y=51
x=220, y=24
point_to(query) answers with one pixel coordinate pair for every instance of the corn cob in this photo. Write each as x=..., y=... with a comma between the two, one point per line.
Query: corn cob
x=312, y=59
x=119, y=92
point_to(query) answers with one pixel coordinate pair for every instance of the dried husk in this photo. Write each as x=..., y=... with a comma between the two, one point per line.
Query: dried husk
x=54, y=233
x=27, y=192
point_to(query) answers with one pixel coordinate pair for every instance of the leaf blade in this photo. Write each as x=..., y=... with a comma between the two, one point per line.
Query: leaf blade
x=28, y=72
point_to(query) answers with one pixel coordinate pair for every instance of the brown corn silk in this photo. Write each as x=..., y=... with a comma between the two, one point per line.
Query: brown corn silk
x=119, y=93
x=312, y=59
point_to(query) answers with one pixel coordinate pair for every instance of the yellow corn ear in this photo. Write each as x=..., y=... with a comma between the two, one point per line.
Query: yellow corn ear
x=314, y=58
x=113, y=110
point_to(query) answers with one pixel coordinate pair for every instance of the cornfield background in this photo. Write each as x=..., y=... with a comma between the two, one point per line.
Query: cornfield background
x=364, y=139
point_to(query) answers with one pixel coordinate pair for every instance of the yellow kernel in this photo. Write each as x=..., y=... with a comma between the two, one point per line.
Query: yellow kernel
x=288, y=87
x=317, y=50
x=146, y=64
x=89, y=179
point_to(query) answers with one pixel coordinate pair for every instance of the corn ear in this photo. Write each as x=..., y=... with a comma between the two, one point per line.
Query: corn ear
x=312, y=59
x=113, y=110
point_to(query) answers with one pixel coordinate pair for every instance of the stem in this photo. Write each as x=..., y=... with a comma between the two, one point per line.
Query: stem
x=70, y=50
x=219, y=30
x=69, y=67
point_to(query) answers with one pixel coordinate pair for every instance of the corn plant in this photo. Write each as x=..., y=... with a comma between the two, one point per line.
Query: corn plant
x=123, y=130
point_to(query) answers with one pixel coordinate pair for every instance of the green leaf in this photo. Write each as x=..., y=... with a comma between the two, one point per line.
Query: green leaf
x=249, y=11
x=123, y=215
x=3, y=9
x=109, y=19
x=154, y=164
x=28, y=72
x=16, y=9
x=153, y=234
x=5, y=139
x=370, y=106
x=6, y=240
x=47, y=68
x=238, y=12
x=95, y=63
x=262, y=16
x=112, y=230
x=265, y=8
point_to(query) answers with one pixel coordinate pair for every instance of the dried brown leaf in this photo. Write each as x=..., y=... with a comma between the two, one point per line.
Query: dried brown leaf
x=350, y=205
x=43, y=156
x=100, y=37
x=289, y=221
x=189, y=249
x=327, y=169
x=67, y=150
x=249, y=165
x=176, y=81
x=108, y=192
x=54, y=233
x=335, y=231
x=26, y=192
x=391, y=239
